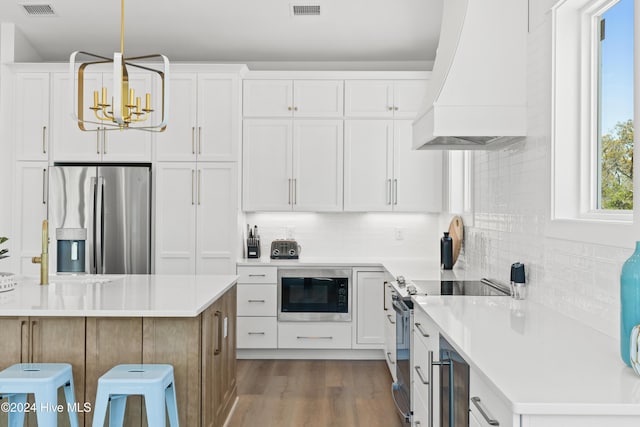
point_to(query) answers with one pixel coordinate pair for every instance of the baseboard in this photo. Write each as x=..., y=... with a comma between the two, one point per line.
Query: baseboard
x=375, y=354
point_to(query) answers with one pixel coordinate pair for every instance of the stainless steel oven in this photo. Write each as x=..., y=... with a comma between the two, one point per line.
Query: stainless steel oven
x=314, y=294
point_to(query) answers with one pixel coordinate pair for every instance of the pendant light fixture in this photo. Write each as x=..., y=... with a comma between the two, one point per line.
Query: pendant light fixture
x=121, y=107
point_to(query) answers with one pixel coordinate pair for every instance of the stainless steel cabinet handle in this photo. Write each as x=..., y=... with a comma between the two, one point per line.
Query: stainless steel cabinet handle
x=395, y=108
x=295, y=191
x=44, y=140
x=255, y=333
x=193, y=186
x=395, y=191
x=98, y=141
x=390, y=108
x=257, y=275
x=218, y=349
x=389, y=357
x=289, y=202
x=419, y=328
x=199, y=139
x=419, y=372
x=199, y=183
x=104, y=140
x=483, y=411
x=289, y=108
x=193, y=140
x=256, y=300
x=295, y=108
x=44, y=186
x=314, y=338
x=388, y=191
x=390, y=321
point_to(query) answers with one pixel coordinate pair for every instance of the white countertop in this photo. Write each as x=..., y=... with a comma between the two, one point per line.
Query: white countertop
x=115, y=295
x=538, y=360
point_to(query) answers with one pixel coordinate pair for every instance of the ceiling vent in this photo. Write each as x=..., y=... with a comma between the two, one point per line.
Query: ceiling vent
x=38, y=9
x=305, y=9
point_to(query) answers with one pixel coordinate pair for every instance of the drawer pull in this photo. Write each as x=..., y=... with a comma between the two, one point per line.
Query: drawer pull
x=256, y=300
x=390, y=321
x=314, y=338
x=389, y=357
x=419, y=372
x=257, y=275
x=483, y=411
x=419, y=328
x=255, y=333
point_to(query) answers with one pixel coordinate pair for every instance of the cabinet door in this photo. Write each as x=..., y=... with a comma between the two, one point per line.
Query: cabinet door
x=317, y=165
x=417, y=174
x=408, y=96
x=31, y=208
x=218, y=118
x=128, y=145
x=211, y=369
x=31, y=107
x=368, y=98
x=216, y=215
x=111, y=341
x=69, y=143
x=267, y=164
x=368, y=155
x=267, y=98
x=178, y=141
x=13, y=333
x=60, y=339
x=175, y=218
x=318, y=98
x=176, y=341
x=370, y=307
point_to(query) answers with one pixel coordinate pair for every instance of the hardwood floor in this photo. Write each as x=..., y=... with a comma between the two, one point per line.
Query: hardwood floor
x=314, y=393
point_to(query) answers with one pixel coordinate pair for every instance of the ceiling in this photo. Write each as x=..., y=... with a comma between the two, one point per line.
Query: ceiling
x=241, y=31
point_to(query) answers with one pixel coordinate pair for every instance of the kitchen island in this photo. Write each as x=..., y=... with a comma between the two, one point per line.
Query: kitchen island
x=96, y=322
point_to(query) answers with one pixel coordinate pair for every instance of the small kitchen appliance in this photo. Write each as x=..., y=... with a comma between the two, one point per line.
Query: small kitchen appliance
x=285, y=249
x=71, y=250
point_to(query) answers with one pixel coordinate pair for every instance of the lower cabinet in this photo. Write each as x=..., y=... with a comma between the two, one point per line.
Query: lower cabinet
x=369, y=301
x=258, y=332
x=389, y=321
x=424, y=350
x=485, y=407
x=201, y=349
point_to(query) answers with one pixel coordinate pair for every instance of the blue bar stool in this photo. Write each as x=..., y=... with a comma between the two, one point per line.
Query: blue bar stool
x=42, y=380
x=154, y=382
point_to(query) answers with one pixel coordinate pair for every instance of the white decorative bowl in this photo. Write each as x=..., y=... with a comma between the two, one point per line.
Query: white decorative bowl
x=7, y=282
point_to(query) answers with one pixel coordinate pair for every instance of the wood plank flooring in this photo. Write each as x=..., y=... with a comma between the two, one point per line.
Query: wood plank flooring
x=314, y=393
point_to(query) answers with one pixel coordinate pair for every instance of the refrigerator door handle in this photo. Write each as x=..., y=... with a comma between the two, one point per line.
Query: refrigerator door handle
x=99, y=226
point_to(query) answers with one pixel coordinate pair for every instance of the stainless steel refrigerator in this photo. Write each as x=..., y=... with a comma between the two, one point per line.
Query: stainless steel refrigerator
x=113, y=203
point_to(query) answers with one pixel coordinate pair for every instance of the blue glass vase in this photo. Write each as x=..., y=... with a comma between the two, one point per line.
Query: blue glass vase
x=629, y=301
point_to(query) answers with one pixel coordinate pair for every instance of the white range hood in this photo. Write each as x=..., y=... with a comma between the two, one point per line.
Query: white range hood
x=476, y=98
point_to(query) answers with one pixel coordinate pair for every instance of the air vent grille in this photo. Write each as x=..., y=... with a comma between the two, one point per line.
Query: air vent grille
x=38, y=9
x=306, y=9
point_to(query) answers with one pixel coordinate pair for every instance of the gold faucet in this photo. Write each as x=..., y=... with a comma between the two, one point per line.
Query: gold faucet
x=43, y=259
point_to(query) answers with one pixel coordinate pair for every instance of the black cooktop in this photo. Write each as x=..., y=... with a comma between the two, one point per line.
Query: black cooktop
x=459, y=287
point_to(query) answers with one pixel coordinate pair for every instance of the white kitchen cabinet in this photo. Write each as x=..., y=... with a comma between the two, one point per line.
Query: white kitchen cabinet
x=195, y=218
x=314, y=335
x=292, y=165
x=257, y=332
x=102, y=143
x=293, y=98
x=399, y=99
x=389, y=321
x=425, y=347
x=30, y=199
x=486, y=406
x=257, y=307
x=203, y=120
x=31, y=120
x=383, y=173
x=369, y=323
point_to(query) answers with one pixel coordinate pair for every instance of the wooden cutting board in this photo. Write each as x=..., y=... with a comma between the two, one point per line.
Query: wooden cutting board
x=456, y=232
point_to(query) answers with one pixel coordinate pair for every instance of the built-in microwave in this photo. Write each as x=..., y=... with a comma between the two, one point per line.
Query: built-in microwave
x=313, y=294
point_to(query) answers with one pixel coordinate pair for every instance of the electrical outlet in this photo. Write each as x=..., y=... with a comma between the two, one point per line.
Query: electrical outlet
x=290, y=232
x=398, y=232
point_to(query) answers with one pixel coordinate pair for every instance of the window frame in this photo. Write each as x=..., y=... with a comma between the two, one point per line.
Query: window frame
x=574, y=134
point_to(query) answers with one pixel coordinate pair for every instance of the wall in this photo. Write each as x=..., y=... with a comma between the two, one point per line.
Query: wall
x=511, y=205
x=6, y=143
x=353, y=235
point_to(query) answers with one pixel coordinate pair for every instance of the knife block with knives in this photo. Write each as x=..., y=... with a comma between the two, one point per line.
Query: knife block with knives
x=253, y=242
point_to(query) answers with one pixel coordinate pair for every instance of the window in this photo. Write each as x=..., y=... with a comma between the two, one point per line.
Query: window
x=615, y=107
x=592, y=121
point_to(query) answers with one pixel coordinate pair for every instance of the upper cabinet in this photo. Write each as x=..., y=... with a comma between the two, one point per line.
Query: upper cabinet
x=204, y=119
x=102, y=143
x=31, y=107
x=293, y=98
x=399, y=99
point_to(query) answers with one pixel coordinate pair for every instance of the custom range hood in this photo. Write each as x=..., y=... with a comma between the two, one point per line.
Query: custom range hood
x=476, y=98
